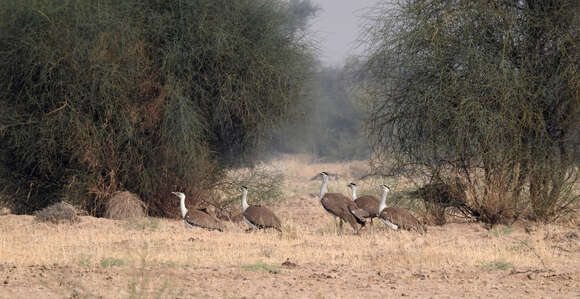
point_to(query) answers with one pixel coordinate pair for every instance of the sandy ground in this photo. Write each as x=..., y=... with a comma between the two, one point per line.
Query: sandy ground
x=161, y=258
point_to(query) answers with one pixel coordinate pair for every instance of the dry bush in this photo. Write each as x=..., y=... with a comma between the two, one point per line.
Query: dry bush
x=438, y=197
x=492, y=197
x=264, y=187
x=435, y=214
x=125, y=205
x=58, y=213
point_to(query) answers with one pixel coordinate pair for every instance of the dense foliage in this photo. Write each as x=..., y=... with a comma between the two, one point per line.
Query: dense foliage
x=484, y=94
x=149, y=96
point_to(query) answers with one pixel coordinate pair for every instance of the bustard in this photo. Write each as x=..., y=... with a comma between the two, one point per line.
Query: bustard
x=368, y=203
x=258, y=216
x=341, y=206
x=196, y=217
x=396, y=218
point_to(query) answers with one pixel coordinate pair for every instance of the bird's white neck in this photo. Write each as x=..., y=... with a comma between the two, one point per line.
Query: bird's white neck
x=244, y=202
x=353, y=192
x=323, y=188
x=182, y=206
x=383, y=203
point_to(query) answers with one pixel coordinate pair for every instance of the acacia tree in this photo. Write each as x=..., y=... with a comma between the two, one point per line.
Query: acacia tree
x=147, y=96
x=486, y=93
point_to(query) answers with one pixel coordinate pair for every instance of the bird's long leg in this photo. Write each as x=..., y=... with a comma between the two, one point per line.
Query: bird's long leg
x=335, y=226
x=340, y=225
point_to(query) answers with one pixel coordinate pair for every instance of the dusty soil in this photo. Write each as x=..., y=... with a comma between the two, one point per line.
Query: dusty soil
x=161, y=258
x=304, y=281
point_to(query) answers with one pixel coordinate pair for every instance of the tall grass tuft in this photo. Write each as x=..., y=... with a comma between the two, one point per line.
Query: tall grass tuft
x=125, y=205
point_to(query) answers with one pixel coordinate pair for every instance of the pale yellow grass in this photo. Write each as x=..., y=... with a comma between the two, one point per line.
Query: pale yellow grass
x=168, y=248
x=25, y=242
x=308, y=238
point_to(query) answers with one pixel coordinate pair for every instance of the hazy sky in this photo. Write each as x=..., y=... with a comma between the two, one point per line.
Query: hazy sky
x=336, y=27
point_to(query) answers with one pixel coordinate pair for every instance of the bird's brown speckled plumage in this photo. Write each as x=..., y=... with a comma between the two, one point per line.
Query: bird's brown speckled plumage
x=402, y=218
x=343, y=207
x=203, y=220
x=262, y=217
x=368, y=203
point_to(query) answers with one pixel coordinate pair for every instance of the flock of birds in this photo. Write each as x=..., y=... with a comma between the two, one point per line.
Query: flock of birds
x=355, y=210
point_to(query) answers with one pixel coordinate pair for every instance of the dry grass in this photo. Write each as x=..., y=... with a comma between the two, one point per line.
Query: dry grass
x=58, y=213
x=125, y=205
x=163, y=253
x=455, y=245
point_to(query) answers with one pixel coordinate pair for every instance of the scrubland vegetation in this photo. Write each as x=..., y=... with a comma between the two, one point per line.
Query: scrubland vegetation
x=143, y=96
x=480, y=94
x=155, y=96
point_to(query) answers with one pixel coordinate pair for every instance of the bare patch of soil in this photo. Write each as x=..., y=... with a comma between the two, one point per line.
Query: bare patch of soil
x=307, y=281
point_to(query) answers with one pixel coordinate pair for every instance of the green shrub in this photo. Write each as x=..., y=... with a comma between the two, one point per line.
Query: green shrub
x=484, y=91
x=147, y=96
x=112, y=262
